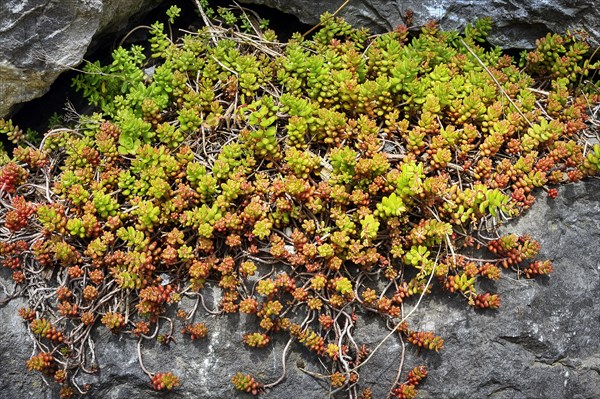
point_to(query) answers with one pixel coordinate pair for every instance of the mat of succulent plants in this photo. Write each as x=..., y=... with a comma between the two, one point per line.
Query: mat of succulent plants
x=309, y=183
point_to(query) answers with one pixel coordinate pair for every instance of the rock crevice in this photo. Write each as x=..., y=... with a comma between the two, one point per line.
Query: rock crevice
x=40, y=39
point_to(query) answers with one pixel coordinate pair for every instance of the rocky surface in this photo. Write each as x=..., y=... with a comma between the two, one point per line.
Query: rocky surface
x=517, y=23
x=544, y=342
x=39, y=39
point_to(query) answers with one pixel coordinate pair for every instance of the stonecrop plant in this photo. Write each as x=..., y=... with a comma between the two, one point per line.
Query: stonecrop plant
x=308, y=183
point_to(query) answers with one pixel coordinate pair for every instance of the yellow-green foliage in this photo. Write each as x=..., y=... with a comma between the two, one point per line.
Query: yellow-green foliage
x=344, y=172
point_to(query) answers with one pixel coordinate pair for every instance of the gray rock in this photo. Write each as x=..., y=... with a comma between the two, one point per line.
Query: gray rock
x=516, y=23
x=544, y=341
x=15, y=348
x=39, y=39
